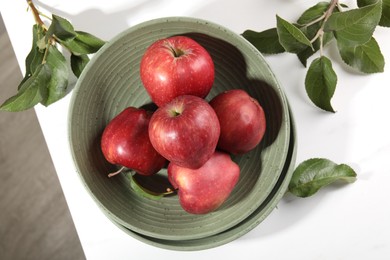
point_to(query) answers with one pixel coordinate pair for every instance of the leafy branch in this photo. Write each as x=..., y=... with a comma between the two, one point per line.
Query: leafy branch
x=47, y=71
x=352, y=29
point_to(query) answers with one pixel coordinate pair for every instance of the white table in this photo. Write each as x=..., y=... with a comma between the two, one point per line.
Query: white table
x=340, y=222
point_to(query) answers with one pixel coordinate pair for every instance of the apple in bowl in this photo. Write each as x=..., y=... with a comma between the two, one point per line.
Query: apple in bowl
x=176, y=66
x=242, y=121
x=205, y=189
x=125, y=142
x=185, y=131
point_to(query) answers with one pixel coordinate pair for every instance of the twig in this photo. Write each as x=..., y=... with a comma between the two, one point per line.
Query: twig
x=36, y=15
x=325, y=17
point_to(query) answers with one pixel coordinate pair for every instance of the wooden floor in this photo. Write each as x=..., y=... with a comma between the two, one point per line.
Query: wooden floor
x=35, y=222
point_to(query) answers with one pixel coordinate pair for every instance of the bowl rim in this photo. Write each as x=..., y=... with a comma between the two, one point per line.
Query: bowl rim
x=122, y=34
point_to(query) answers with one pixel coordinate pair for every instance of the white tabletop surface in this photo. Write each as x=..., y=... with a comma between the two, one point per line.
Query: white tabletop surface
x=340, y=222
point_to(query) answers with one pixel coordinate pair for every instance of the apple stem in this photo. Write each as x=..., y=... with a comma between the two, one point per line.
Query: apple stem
x=176, y=51
x=115, y=173
x=169, y=191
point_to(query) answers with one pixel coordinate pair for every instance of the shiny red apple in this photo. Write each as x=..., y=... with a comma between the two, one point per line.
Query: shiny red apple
x=176, y=66
x=185, y=131
x=205, y=189
x=242, y=121
x=125, y=141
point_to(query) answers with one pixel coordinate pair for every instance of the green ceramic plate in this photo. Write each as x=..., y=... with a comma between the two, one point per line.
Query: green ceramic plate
x=241, y=228
x=111, y=82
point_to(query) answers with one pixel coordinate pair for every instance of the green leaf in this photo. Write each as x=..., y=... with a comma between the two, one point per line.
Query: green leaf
x=58, y=84
x=61, y=28
x=91, y=42
x=32, y=91
x=37, y=59
x=266, y=41
x=39, y=53
x=78, y=63
x=313, y=13
x=290, y=37
x=354, y=27
x=83, y=43
x=35, y=56
x=385, y=18
x=366, y=58
x=313, y=174
x=320, y=83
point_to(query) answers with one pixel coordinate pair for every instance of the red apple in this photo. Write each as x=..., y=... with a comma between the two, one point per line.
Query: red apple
x=185, y=131
x=125, y=141
x=203, y=190
x=242, y=121
x=176, y=66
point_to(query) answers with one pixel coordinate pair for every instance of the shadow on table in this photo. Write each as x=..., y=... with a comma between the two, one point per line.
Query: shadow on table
x=98, y=22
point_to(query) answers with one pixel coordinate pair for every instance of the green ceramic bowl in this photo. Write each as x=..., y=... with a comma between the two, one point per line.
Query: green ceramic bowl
x=111, y=82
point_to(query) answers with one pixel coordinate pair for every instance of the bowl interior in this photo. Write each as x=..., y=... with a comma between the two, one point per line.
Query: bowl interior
x=111, y=82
